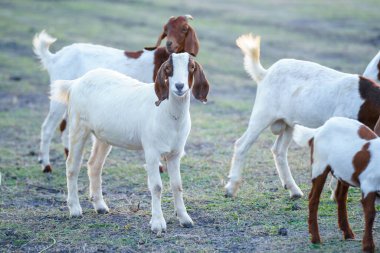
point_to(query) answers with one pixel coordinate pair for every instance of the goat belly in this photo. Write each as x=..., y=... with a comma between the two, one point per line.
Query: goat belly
x=113, y=137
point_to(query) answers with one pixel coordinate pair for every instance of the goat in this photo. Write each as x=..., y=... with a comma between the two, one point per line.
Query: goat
x=121, y=111
x=347, y=149
x=73, y=61
x=297, y=92
x=372, y=72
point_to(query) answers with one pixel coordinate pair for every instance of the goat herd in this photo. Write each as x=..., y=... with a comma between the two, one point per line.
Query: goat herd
x=140, y=100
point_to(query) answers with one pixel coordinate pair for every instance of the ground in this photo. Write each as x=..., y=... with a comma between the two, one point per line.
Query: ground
x=34, y=217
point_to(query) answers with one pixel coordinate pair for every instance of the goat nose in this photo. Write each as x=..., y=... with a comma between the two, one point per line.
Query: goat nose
x=169, y=43
x=179, y=86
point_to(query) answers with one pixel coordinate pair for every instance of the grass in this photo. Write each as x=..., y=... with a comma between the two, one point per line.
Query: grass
x=33, y=213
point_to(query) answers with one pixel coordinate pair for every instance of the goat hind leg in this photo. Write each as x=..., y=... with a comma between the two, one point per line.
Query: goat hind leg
x=258, y=123
x=51, y=122
x=341, y=199
x=78, y=139
x=280, y=153
x=99, y=153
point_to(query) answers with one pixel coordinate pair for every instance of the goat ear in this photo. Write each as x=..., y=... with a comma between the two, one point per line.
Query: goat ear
x=161, y=86
x=191, y=42
x=200, y=87
x=161, y=37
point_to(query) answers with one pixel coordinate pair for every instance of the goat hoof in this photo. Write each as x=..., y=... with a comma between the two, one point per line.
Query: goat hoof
x=67, y=152
x=228, y=194
x=296, y=196
x=316, y=240
x=161, y=168
x=369, y=248
x=187, y=225
x=349, y=235
x=47, y=169
x=102, y=211
x=158, y=226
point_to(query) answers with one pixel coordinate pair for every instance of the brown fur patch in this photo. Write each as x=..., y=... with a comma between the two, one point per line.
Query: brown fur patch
x=134, y=54
x=63, y=125
x=160, y=56
x=369, y=111
x=181, y=37
x=311, y=145
x=366, y=133
x=360, y=162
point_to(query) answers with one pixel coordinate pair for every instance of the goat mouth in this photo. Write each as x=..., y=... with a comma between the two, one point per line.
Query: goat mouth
x=171, y=50
x=181, y=93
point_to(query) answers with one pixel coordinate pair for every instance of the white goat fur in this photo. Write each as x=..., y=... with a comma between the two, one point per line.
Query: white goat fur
x=72, y=62
x=372, y=70
x=290, y=92
x=121, y=111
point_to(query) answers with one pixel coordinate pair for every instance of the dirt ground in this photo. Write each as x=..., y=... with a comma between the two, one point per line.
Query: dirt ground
x=344, y=35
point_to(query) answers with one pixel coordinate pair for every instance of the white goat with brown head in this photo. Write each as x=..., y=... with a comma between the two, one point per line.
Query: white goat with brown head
x=121, y=111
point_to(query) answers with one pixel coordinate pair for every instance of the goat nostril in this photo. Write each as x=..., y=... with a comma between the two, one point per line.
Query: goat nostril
x=169, y=43
x=179, y=86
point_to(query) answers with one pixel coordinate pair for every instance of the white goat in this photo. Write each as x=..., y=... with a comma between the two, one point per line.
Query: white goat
x=121, y=111
x=349, y=150
x=297, y=92
x=75, y=60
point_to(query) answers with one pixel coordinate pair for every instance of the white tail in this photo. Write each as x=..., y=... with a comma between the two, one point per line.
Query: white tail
x=41, y=44
x=250, y=45
x=302, y=135
x=59, y=90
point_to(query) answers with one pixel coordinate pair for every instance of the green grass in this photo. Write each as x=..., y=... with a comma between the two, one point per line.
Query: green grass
x=33, y=213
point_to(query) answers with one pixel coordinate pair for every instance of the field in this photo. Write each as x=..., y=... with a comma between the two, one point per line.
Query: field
x=342, y=34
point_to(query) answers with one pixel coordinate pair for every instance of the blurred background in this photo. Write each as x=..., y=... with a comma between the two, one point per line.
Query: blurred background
x=341, y=34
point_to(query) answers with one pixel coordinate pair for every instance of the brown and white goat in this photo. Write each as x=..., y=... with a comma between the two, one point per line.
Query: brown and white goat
x=74, y=61
x=350, y=151
x=297, y=92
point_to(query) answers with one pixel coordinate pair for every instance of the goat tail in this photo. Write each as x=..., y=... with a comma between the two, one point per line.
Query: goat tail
x=250, y=46
x=59, y=90
x=302, y=135
x=41, y=44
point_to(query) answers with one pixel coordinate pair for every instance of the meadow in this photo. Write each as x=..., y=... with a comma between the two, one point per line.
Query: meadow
x=342, y=34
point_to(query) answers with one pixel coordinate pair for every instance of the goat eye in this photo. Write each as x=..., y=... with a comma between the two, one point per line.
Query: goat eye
x=184, y=30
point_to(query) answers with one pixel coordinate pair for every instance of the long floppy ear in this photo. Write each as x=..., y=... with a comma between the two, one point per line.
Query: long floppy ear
x=191, y=42
x=161, y=86
x=200, y=87
x=161, y=37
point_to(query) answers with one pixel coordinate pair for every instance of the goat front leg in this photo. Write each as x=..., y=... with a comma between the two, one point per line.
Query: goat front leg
x=158, y=223
x=280, y=153
x=173, y=166
x=51, y=122
x=369, y=215
x=257, y=124
x=99, y=153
